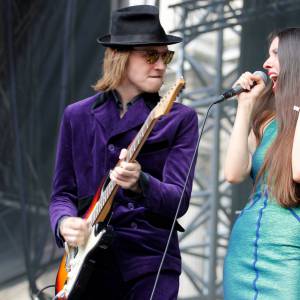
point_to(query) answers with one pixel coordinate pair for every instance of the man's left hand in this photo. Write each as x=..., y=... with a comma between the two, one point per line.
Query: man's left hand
x=127, y=174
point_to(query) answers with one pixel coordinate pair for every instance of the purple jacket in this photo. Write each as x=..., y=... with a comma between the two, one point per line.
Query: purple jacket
x=90, y=139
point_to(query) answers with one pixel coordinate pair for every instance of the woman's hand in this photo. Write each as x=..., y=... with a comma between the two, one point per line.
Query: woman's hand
x=74, y=230
x=246, y=81
x=126, y=174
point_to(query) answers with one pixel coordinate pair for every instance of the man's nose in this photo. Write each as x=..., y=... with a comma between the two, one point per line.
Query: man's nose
x=160, y=64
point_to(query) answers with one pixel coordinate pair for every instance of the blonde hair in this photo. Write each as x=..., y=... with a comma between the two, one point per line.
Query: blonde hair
x=114, y=68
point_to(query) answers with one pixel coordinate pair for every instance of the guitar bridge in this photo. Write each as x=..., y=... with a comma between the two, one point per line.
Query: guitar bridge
x=71, y=252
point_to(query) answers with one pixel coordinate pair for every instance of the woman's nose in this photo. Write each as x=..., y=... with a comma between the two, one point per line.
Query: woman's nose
x=267, y=64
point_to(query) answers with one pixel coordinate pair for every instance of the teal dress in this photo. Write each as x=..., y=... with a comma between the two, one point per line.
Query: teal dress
x=263, y=256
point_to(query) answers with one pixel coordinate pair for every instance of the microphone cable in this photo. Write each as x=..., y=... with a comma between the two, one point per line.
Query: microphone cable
x=217, y=100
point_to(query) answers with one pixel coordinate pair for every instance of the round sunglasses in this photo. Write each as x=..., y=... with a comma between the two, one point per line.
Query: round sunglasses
x=152, y=56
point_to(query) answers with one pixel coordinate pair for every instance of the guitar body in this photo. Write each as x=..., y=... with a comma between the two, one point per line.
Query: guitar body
x=74, y=282
x=71, y=281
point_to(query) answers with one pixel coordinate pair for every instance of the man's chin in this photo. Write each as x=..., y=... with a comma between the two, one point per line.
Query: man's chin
x=153, y=88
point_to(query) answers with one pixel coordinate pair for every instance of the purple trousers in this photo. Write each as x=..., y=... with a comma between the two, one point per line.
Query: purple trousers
x=107, y=283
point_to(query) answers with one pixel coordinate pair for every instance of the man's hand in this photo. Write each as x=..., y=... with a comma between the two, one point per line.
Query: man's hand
x=126, y=174
x=74, y=230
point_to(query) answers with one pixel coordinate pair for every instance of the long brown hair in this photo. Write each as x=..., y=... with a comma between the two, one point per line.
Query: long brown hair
x=278, y=160
x=114, y=68
x=263, y=110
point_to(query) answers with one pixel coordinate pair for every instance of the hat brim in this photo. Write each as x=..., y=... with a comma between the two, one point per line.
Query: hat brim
x=169, y=40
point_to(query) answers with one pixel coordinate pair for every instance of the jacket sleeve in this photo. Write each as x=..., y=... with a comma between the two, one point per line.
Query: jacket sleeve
x=162, y=197
x=64, y=191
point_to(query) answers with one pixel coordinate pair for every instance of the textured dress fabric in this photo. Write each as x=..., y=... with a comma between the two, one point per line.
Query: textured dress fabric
x=263, y=257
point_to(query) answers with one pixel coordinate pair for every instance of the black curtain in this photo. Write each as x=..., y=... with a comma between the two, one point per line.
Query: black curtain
x=49, y=58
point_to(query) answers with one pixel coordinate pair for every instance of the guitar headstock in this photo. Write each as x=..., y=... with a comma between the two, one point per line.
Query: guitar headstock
x=166, y=102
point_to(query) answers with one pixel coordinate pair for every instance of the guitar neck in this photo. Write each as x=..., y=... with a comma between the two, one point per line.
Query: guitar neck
x=132, y=152
x=139, y=140
x=109, y=190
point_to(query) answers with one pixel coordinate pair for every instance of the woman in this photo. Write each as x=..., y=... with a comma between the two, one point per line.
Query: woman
x=94, y=135
x=263, y=259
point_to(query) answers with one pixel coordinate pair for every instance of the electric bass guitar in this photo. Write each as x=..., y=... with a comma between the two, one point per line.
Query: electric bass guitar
x=78, y=262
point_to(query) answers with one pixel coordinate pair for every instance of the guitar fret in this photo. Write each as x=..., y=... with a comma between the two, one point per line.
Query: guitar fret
x=110, y=187
x=98, y=208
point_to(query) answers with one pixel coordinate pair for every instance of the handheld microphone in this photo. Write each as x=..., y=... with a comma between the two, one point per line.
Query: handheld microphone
x=238, y=89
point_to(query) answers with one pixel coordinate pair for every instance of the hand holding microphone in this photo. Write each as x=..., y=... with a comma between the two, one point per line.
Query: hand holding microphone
x=252, y=84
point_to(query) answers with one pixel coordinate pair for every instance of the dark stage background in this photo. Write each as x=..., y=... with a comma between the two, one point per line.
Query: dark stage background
x=49, y=58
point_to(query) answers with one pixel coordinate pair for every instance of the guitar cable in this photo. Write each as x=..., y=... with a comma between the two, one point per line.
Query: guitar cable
x=39, y=293
x=217, y=100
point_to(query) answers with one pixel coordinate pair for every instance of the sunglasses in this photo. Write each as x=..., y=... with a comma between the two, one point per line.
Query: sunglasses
x=152, y=56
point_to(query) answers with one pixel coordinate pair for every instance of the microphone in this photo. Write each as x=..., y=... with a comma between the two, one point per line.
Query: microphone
x=238, y=89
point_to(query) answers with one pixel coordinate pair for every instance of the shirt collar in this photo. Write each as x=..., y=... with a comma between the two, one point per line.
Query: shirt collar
x=117, y=98
x=150, y=99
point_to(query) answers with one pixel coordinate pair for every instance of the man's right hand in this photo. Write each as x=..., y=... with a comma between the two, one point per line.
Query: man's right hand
x=74, y=230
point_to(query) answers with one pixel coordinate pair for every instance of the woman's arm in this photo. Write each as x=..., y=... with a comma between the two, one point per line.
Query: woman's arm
x=242, y=141
x=241, y=146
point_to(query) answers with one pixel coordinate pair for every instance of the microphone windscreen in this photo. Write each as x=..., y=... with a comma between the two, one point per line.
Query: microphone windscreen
x=262, y=75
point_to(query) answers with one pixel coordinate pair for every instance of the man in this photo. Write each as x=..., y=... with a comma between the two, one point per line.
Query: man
x=94, y=135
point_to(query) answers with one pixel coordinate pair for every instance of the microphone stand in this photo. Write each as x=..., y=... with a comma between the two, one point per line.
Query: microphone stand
x=218, y=99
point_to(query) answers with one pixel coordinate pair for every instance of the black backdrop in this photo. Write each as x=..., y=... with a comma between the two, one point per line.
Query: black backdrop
x=48, y=58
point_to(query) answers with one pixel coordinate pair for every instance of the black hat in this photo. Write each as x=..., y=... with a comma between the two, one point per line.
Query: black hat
x=137, y=26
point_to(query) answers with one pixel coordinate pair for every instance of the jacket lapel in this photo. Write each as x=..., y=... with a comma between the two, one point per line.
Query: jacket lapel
x=107, y=115
x=105, y=112
x=134, y=117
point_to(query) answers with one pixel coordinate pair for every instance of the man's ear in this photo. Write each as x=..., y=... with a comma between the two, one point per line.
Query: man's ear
x=114, y=52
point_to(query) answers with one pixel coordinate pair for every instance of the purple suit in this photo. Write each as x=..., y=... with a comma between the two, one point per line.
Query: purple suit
x=91, y=137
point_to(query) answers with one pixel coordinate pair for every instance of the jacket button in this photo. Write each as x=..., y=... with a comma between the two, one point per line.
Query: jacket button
x=130, y=205
x=111, y=147
x=133, y=225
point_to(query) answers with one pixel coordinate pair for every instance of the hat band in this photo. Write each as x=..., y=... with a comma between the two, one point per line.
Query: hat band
x=141, y=38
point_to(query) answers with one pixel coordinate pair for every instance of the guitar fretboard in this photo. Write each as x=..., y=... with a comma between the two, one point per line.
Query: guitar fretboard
x=131, y=155
x=162, y=107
